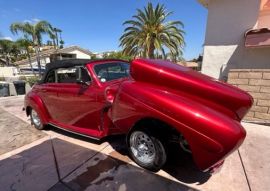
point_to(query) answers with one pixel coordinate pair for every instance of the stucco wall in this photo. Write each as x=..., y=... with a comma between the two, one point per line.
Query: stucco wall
x=224, y=49
x=80, y=54
x=257, y=83
x=8, y=71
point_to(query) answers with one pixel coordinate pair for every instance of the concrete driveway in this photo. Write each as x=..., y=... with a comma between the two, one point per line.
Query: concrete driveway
x=55, y=160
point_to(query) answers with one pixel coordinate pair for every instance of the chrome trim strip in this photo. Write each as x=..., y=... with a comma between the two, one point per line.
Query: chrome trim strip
x=87, y=136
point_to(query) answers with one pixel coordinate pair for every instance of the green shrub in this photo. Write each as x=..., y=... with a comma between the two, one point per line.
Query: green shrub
x=32, y=80
x=22, y=78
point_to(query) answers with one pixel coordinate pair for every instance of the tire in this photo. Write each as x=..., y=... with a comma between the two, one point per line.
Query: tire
x=35, y=120
x=147, y=150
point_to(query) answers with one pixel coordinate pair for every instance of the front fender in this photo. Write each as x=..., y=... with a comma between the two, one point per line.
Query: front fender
x=210, y=134
x=34, y=101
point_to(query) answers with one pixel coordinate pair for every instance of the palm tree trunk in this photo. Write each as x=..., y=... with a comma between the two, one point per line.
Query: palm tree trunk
x=57, y=40
x=54, y=44
x=38, y=59
x=150, y=51
x=30, y=63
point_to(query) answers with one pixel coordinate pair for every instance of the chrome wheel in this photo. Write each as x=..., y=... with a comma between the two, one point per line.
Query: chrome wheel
x=35, y=118
x=142, y=147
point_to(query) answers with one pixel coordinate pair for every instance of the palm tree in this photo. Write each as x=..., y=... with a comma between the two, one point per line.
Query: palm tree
x=53, y=37
x=149, y=32
x=56, y=30
x=6, y=50
x=61, y=40
x=53, y=33
x=35, y=32
x=25, y=45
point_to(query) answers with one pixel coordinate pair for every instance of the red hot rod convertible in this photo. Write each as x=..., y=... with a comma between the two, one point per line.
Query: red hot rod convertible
x=152, y=102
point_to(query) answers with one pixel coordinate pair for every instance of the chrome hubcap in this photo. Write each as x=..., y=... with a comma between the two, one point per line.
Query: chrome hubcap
x=35, y=118
x=142, y=147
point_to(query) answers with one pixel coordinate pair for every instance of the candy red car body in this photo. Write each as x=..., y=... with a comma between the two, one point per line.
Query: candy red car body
x=153, y=102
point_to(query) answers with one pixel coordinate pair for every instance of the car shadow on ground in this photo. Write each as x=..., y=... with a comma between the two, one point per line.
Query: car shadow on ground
x=180, y=164
x=37, y=169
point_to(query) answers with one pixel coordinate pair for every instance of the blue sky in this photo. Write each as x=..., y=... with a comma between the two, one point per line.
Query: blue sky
x=97, y=25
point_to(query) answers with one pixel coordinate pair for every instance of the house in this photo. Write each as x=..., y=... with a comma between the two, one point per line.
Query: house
x=237, y=36
x=104, y=54
x=237, y=49
x=49, y=55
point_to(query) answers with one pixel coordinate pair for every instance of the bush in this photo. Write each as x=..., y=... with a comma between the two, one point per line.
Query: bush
x=22, y=78
x=32, y=80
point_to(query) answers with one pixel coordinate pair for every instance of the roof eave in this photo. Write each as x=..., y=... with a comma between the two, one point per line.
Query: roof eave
x=205, y=3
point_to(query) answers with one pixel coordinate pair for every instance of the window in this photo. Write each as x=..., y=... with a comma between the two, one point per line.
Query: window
x=111, y=71
x=66, y=75
x=50, y=77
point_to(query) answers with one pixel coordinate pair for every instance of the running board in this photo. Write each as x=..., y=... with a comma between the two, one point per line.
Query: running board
x=87, y=136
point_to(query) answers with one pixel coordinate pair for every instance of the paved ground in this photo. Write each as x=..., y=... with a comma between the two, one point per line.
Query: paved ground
x=15, y=132
x=55, y=160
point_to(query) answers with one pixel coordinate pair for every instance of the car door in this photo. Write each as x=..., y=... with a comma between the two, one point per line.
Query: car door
x=77, y=106
x=47, y=91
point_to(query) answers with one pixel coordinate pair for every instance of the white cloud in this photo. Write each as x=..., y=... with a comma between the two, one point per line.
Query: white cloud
x=6, y=38
x=33, y=20
x=36, y=20
x=27, y=21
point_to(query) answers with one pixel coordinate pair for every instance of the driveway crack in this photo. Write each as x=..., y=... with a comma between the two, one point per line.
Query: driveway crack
x=242, y=163
x=55, y=161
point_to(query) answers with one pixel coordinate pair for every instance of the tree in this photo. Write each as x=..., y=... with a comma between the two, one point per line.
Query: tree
x=6, y=50
x=53, y=37
x=61, y=44
x=53, y=33
x=149, y=33
x=56, y=31
x=61, y=40
x=25, y=45
x=35, y=32
x=9, y=50
x=116, y=55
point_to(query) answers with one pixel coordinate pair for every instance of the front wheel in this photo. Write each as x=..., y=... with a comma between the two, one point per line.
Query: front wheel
x=35, y=120
x=147, y=149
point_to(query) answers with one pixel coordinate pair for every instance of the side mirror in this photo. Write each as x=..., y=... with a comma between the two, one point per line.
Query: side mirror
x=79, y=79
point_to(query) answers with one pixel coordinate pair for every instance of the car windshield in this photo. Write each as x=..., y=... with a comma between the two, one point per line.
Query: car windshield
x=111, y=71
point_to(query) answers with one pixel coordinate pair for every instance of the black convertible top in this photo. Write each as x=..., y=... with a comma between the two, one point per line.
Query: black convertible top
x=69, y=63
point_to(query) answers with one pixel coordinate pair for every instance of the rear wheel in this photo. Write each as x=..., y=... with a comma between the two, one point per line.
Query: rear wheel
x=147, y=150
x=35, y=120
